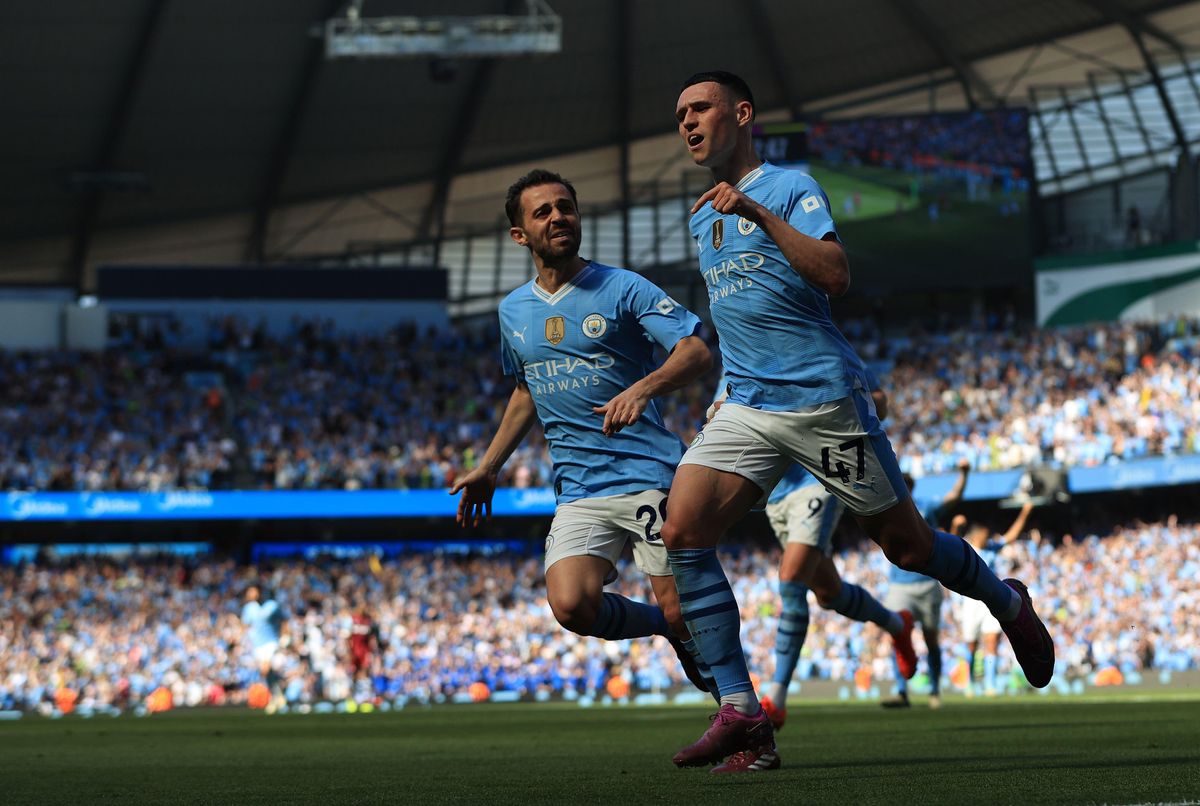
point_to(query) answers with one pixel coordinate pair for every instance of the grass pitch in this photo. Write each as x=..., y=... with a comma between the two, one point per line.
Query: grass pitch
x=1027, y=751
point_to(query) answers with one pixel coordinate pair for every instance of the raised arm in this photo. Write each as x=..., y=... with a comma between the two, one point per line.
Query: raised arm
x=1018, y=525
x=956, y=492
x=689, y=359
x=479, y=484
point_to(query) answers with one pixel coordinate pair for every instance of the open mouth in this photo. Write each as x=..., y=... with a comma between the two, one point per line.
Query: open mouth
x=694, y=140
x=561, y=235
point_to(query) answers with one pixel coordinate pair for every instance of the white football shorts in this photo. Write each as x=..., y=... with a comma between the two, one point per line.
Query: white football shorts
x=841, y=443
x=601, y=527
x=922, y=599
x=806, y=516
x=976, y=620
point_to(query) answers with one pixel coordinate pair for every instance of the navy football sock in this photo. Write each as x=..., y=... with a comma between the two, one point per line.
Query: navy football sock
x=956, y=565
x=856, y=603
x=624, y=618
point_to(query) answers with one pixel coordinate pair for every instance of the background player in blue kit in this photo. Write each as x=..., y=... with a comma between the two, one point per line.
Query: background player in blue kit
x=264, y=622
x=770, y=257
x=579, y=340
x=977, y=624
x=922, y=595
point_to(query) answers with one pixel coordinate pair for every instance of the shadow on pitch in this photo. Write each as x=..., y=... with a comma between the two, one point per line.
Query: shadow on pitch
x=1032, y=725
x=1041, y=761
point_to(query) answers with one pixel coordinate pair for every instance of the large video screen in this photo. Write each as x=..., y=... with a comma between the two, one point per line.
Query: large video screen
x=922, y=202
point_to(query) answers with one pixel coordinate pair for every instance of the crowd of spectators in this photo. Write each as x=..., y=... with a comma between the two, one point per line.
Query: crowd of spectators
x=1055, y=397
x=410, y=409
x=995, y=139
x=102, y=633
x=110, y=421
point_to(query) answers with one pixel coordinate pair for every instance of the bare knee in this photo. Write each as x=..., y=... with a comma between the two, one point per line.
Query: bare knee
x=679, y=534
x=903, y=534
x=826, y=595
x=574, y=610
x=908, y=558
x=823, y=579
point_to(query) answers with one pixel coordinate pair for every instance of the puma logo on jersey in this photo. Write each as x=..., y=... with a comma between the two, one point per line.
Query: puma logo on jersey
x=520, y=334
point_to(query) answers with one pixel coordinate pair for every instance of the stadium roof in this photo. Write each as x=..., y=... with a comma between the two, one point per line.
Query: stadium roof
x=133, y=113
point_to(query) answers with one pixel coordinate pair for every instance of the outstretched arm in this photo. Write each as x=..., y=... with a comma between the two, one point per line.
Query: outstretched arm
x=1018, y=525
x=689, y=359
x=956, y=492
x=479, y=484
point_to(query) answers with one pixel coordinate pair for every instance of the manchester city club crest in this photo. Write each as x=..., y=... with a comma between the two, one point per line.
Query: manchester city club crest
x=594, y=326
x=718, y=233
x=746, y=227
x=556, y=328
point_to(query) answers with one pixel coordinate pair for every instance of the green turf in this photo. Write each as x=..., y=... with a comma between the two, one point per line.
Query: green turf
x=875, y=199
x=1031, y=751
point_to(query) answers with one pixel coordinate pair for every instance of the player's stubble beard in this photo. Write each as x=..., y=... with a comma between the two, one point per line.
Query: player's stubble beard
x=559, y=253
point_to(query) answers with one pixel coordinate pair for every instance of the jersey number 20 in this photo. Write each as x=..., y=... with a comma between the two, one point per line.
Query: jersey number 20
x=652, y=518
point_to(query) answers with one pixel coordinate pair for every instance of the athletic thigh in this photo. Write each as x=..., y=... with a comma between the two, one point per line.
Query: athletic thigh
x=731, y=443
x=703, y=504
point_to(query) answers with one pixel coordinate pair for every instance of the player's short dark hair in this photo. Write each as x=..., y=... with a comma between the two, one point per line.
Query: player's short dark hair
x=538, y=176
x=734, y=83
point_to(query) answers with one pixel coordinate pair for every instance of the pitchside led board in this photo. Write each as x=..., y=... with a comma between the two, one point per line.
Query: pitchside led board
x=922, y=202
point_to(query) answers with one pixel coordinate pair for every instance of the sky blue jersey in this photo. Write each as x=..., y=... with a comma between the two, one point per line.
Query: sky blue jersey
x=990, y=554
x=262, y=620
x=780, y=347
x=580, y=347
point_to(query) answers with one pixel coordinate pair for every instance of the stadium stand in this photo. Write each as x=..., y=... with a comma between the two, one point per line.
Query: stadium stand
x=102, y=632
x=409, y=409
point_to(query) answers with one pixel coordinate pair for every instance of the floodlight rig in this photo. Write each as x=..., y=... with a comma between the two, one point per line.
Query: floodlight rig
x=538, y=31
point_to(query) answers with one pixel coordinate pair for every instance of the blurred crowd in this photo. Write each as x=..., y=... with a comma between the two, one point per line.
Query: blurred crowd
x=1066, y=397
x=412, y=409
x=98, y=633
x=998, y=138
x=116, y=420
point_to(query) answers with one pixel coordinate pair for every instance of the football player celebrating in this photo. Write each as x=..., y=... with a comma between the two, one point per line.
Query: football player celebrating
x=770, y=257
x=579, y=341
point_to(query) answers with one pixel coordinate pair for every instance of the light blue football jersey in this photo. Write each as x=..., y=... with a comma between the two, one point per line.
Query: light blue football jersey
x=780, y=347
x=990, y=554
x=263, y=621
x=795, y=478
x=579, y=348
